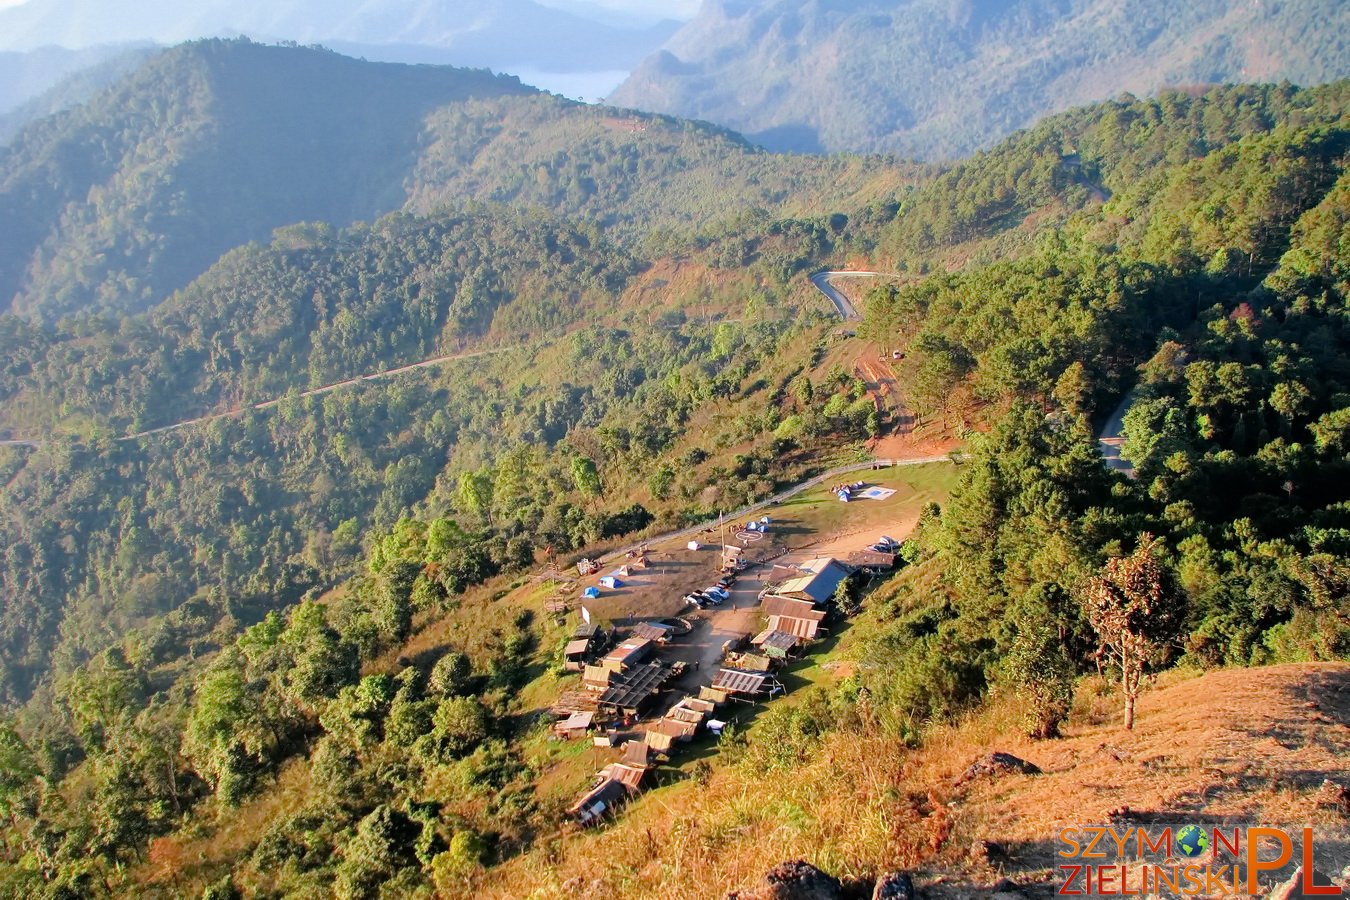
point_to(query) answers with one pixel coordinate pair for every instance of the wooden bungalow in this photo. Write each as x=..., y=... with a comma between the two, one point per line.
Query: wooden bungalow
x=628, y=654
x=796, y=617
x=637, y=753
x=628, y=776
x=587, y=641
x=816, y=581
x=597, y=678
x=598, y=802
x=715, y=696
x=775, y=644
x=574, y=726
x=664, y=733
x=576, y=654
x=698, y=705
x=747, y=686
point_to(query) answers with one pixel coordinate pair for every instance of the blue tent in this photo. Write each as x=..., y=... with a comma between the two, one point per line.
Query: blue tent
x=610, y=581
x=591, y=593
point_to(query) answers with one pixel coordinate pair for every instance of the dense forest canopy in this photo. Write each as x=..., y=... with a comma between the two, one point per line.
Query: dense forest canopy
x=111, y=205
x=309, y=597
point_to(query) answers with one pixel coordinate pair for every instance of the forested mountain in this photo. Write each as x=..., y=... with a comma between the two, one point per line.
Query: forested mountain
x=277, y=652
x=939, y=78
x=111, y=205
x=211, y=145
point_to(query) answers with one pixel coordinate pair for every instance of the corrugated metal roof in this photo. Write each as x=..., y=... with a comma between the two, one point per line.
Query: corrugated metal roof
x=628, y=776
x=802, y=628
x=576, y=721
x=577, y=648
x=636, y=753
x=738, y=682
x=779, y=640
x=788, y=606
x=685, y=714
x=630, y=651
x=673, y=728
x=640, y=684
x=596, y=675
x=820, y=584
x=651, y=631
x=603, y=795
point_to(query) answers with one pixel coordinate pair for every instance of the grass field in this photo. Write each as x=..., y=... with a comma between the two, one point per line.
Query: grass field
x=817, y=516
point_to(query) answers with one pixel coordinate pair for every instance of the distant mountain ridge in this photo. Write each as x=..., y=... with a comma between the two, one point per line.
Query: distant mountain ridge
x=208, y=146
x=480, y=33
x=941, y=78
x=109, y=206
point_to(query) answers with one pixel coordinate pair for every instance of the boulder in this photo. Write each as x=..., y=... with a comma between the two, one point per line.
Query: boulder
x=795, y=880
x=996, y=764
x=894, y=886
x=984, y=852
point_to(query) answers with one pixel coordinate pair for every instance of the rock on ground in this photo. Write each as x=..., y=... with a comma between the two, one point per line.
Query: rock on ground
x=894, y=886
x=795, y=880
x=995, y=764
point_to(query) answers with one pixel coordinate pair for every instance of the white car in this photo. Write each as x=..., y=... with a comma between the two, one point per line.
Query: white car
x=719, y=593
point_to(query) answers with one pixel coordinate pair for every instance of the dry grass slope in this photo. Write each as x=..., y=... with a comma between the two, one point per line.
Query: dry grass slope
x=1242, y=745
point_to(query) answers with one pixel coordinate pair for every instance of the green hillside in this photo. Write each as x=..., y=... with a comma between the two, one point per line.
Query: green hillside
x=935, y=79
x=637, y=176
x=114, y=203
x=111, y=205
x=300, y=649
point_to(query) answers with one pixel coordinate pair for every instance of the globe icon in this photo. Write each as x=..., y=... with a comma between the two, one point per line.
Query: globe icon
x=1192, y=841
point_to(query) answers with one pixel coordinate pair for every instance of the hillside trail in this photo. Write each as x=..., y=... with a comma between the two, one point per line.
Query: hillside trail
x=277, y=401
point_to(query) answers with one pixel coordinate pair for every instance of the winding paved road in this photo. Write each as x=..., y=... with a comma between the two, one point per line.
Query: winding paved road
x=841, y=303
x=1111, y=438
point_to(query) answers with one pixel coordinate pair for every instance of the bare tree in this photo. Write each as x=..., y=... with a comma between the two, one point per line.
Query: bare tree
x=1136, y=609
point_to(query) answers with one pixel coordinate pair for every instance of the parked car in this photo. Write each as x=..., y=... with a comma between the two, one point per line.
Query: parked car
x=696, y=600
x=719, y=592
x=890, y=543
x=726, y=581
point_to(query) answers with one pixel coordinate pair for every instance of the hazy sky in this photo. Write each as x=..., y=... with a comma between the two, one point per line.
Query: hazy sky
x=643, y=10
